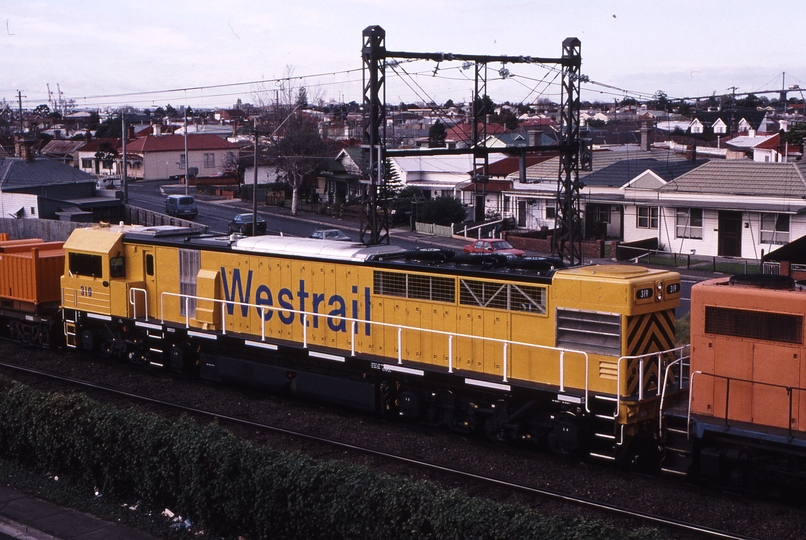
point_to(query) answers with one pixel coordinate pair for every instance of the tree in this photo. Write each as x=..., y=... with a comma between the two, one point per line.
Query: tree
x=506, y=118
x=106, y=154
x=442, y=211
x=170, y=111
x=42, y=110
x=299, y=152
x=110, y=128
x=660, y=100
x=749, y=102
x=437, y=134
x=302, y=98
x=392, y=184
x=796, y=134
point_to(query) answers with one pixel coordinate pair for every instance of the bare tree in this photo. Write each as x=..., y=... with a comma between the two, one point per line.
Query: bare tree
x=298, y=152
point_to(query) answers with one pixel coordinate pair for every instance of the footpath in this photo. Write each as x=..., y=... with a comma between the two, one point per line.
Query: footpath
x=25, y=517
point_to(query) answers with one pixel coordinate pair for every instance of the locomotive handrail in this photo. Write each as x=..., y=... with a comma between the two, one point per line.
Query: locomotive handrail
x=666, y=377
x=263, y=308
x=641, y=361
x=133, y=300
x=790, y=391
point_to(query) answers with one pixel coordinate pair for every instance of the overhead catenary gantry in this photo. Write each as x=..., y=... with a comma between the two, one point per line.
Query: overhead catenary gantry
x=375, y=224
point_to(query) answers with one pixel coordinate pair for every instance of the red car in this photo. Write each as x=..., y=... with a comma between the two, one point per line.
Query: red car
x=493, y=246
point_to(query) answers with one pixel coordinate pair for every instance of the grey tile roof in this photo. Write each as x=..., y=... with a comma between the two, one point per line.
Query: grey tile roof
x=621, y=172
x=743, y=178
x=16, y=173
x=617, y=167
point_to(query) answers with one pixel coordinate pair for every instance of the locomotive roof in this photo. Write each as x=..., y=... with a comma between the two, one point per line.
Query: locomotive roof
x=97, y=239
x=312, y=247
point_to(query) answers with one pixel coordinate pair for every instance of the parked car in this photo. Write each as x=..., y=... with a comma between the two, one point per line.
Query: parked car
x=501, y=247
x=331, y=234
x=242, y=223
x=183, y=206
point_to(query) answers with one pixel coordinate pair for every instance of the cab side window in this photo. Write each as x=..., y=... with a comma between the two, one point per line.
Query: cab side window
x=117, y=267
x=82, y=264
x=150, y=264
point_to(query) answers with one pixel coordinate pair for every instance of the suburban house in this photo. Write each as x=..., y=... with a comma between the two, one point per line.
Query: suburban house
x=341, y=182
x=99, y=157
x=725, y=208
x=532, y=199
x=163, y=156
x=45, y=188
x=436, y=176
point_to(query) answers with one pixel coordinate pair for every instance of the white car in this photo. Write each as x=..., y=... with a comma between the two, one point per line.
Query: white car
x=331, y=234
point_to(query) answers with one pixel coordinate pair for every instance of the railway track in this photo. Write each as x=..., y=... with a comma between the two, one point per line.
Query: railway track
x=687, y=529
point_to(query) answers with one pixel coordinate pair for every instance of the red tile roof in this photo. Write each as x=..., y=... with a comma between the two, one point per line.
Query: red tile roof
x=510, y=165
x=173, y=143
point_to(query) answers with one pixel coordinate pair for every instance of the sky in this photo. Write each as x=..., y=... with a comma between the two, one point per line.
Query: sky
x=209, y=54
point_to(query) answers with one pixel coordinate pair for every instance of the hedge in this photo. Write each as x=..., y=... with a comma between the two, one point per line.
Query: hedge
x=234, y=487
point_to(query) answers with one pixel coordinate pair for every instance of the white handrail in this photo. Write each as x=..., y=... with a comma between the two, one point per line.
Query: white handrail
x=506, y=343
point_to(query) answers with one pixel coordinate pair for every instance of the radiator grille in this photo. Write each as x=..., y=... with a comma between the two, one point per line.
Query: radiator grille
x=754, y=324
x=589, y=331
x=419, y=286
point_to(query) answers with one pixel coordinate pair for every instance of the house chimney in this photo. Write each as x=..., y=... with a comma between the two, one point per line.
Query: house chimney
x=24, y=150
x=157, y=129
x=87, y=136
x=533, y=138
x=645, y=137
x=129, y=131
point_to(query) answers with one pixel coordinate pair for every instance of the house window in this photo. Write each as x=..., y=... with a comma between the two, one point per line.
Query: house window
x=86, y=163
x=689, y=223
x=774, y=228
x=551, y=212
x=209, y=160
x=647, y=217
x=182, y=161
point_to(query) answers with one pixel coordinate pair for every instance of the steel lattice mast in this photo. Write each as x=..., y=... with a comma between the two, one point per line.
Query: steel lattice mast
x=568, y=241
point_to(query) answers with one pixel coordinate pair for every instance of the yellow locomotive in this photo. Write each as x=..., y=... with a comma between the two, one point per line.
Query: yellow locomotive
x=580, y=359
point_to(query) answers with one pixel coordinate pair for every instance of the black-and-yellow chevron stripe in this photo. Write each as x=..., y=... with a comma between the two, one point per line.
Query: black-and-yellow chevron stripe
x=648, y=333
x=652, y=332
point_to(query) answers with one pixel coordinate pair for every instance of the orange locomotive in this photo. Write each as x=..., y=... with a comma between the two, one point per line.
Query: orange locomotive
x=745, y=423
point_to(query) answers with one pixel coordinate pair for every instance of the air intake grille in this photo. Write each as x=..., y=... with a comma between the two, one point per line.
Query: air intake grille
x=589, y=331
x=419, y=286
x=754, y=324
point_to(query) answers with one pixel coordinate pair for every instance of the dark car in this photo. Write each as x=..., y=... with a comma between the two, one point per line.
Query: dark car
x=501, y=247
x=242, y=223
x=331, y=234
x=183, y=206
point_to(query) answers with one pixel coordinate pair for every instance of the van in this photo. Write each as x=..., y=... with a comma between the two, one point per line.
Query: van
x=183, y=206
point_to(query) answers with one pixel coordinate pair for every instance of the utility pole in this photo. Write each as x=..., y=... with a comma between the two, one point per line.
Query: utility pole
x=124, y=173
x=733, y=109
x=19, y=98
x=187, y=157
x=254, y=185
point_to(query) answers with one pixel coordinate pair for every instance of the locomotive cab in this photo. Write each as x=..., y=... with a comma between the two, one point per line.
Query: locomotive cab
x=98, y=278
